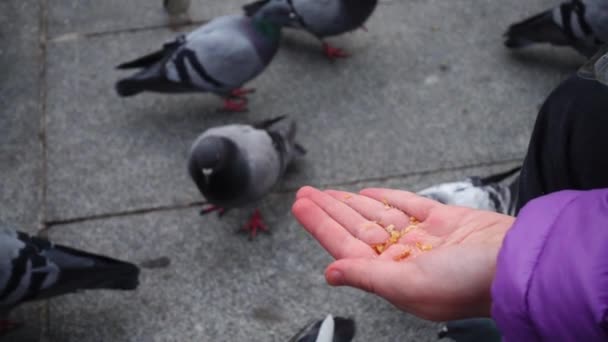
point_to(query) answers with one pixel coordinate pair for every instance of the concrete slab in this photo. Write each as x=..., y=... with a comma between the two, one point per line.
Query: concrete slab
x=218, y=285
x=20, y=151
x=420, y=93
x=76, y=17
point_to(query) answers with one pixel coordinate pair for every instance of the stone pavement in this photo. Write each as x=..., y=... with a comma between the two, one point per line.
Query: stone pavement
x=429, y=95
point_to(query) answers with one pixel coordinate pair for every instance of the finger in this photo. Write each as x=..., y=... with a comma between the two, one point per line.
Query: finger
x=388, y=279
x=373, y=210
x=410, y=203
x=347, y=217
x=304, y=191
x=332, y=236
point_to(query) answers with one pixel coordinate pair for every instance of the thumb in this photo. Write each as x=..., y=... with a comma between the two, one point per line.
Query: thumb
x=381, y=277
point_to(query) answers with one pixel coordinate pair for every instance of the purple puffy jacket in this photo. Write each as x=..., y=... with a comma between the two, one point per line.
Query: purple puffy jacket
x=551, y=280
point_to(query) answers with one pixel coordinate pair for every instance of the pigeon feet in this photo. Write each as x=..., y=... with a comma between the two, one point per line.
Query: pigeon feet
x=334, y=53
x=255, y=224
x=236, y=102
x=234, y=105
x=212, y=208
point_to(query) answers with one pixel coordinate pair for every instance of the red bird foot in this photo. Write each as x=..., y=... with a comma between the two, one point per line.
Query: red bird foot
x=236, y=101
x=334, y=53
x=210, y=209
x=255, y=224
x=7, y=326
x=234, y=105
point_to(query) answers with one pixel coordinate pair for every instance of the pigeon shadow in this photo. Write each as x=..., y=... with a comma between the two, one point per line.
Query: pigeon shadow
x=187, y=113
x=549, y=59
x=309, y=49
x=302, y=43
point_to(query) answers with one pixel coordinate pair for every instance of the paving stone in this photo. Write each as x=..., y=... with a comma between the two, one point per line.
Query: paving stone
x=69, y=17
x=20, y=151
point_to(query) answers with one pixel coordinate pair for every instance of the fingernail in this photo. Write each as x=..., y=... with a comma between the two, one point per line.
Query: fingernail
x=335, y=278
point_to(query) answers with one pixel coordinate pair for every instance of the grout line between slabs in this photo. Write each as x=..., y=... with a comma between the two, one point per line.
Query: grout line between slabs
x=133, y=212
x=42, y=86
x=142, y=211
x=71, y=36
x=425, y=172
x=42, y=100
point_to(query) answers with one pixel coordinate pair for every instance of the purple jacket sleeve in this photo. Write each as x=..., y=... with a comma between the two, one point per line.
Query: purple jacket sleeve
x=551, y=280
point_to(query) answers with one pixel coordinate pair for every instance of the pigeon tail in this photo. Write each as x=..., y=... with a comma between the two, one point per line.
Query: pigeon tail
x=128, y=87
x=344, y=329
x=145, y=61
x=81, y=270
x=497, y=178
x=331, y=329
x=540, y=28
x=151, y=79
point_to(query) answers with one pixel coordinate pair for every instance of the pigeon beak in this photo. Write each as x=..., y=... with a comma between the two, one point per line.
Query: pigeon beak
x=597, y=67
x=207, y=172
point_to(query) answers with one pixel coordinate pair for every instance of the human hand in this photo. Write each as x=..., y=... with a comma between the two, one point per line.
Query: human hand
x=441, y=270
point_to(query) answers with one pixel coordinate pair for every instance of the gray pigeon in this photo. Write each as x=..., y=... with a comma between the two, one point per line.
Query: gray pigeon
x=471, y=330
x=492, y=193
x=581, y=24
x=597, y=67
x=489, y=193
x=331, y=329
x=32, y=268
x=236, y=165
x=324, y=18
x=219, y=57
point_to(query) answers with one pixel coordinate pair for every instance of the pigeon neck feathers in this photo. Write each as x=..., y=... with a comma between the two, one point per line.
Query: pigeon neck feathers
x=267, y=28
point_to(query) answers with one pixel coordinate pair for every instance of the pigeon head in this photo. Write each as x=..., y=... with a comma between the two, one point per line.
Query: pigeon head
x=277, y=12
x=209, y=156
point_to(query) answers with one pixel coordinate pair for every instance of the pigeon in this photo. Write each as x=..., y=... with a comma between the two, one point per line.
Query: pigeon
x=330, y=329
x=487, y=193
x=581, y=24
x=471, y=330
x=218, y=57
x=597, y=67
x=236, y=165
x=324, y=18
x=32, y=268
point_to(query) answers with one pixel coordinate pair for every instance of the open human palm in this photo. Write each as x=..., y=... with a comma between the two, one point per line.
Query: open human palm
x=429, y=259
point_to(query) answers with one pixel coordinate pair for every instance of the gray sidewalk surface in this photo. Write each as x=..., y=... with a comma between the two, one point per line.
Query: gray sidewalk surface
x=429, y=95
